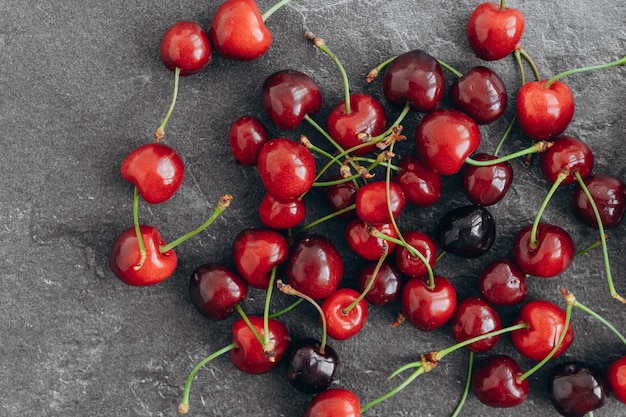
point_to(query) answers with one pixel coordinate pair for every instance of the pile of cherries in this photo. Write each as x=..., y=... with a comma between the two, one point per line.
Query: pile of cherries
x=353, y=161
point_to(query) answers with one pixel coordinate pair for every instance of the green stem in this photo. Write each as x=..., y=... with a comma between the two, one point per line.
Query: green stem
x=160, y=132
x=502, y=4
x=518, y=59
x=505, y=135
x=327, y=217
x=450, y=68
x=588, y=248
x=368, y=287
x=537, y=147
x=531, y=63
x=142, y=246
x=273, y=9
x=267, y=345
x=601, y=319
x=620, y=61
x=419, y=371
x=324, y=133
x=245, y=318
x=371, y=76
x=287, y=309
x=445, y=352
x=533, y=231
x=466, y=390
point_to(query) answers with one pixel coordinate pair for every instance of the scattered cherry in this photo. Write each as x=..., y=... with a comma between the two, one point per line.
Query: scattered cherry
x=185, y=45
x=616, y=378
x=375, y=200
x=387, y=284
x=344, y=324
x=487, y=185
x=551, y=254
x=360, y=240
x=275, y=213
x=474, y=317
x=311, y=370
x=256, y=252
x=609, y=194
x=494, y=31
x=421, y=186
x=496, y=382
x=480, y=93
x=467, y=231
x=576, y=389
x=428, y=308
x=503, y=283
x=335, y=402
x=246, y=136
x=215, y=290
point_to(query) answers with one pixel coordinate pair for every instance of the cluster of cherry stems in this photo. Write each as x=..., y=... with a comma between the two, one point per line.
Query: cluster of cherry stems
x=400, y=263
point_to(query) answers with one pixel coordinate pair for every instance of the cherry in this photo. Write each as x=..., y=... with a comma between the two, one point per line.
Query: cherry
x=421, y=186
x=481, y=94
x=215, y=290
x=364, y=244
x=467, y=231
x=340, y=196
x=375, y=199
x=249, y=355
x=503, y=283
x=126, y=261
x=246, y=137
x=185, y=45
x=462, y=138
x=344, y=324
x=568, y=153
x=281, y=214
x=311, y=370
x=256, y=252
x=387, y=284
x=576, y=389
x=286, y=168
x=474, y=317
x=544, y=111
x=414, y=77
x=315, y=267
x=551, y=254
x=546, y=324
x=335, y=402
x=486, y=185
x=411, y=265
x=496, y=382
x=616, y=378
x=494, y=31
x=156, y=169
x=609, y=195
x=289, y=96
x=428, y=308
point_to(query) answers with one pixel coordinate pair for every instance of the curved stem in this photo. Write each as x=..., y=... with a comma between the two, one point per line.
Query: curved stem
x=620, y=61
x=160, y=132
x=327, y=217
x=445, y=352
x=531, y=63
x=537, y=147
x=287, y=309
x=371, y=76
x=245, y=318
x=142, y=246
x=468, y=382
x=533, y=231
x=450, y=68
x=601, y=319
x=268, y=346
x=273, y=9
x=368, y=287
x=324, y=133
x=518, y=59
x=419, y=371
x=505, y=135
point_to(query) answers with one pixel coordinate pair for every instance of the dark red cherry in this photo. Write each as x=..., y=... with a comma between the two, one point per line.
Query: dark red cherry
x=486, y=185
x=256, y=252
x=315, y=267
x=544, y=112
x=386, y=286
x=309, y=369
x=364, y=244
x=342, y=325
x=288, y=96
x=215, y=290
x=576, y=389
x=462, y=138
x=496, y=382
x=372, y=201
x=467, y=231
x=367, y=116
x=426, y=308
x=609, y=195
x=616, y=378
x=185, y=45
x=125, y=257
x=156, y=169
x=481, y=94
x=340, y=196
x=411, y=265
x=475, y=317
x=246, y=137
x=503, y=283
x=546, y=323
x=286, y=168
x=414, y=77
x=421, y=186
x=249, y=355
x=335, y=402
x=493, y=32
x=553, y=253
x=281, y=214
x=569, y=153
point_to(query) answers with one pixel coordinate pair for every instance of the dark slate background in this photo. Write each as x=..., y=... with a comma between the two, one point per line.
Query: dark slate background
x=81, y=85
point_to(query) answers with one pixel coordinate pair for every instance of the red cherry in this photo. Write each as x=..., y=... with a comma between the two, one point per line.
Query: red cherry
x=475, y=317
x=342, y=325
x=552, y=255
x=185, y=45
x=486, y=185
x=364, y=244
x=340, y=196
x=256, y=252
x=496, y=382
x=367, y=116
x=426, y=308
x=411, y=265
x=568, y=153
x=334, y=402
x=387, y=283
x=281, y=214
x=157, y=171
x=286, y=168
x=609, y=194
x=481, y=94
x=544, y=112
x=371, y=202
x=546, y=321
x=215, y=290
x=616, y=377
x=421, y=186
x=503, y=283
x=125, y=256
x=288, y=96
x=249, y=355
x=246, y=137
x=238, y=31
x=445, y=138
x=494, y=32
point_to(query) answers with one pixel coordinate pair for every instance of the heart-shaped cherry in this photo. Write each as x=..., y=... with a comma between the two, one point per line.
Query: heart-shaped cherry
x=428, y=308
x=246, y=136
x=503, y=283
x=309, y=369
x=248, y=355
x=256, y=252
x=422, y=187
x=551, y=254
x=494, y=31
x=342, y=324
x=411, y=265
x=616, y=378
x=375, y=199
x=486, y=185
x=185, y=45
x=215, y=290
x=496, y=382
x=480, y=93
x=608, y=193
x=474, y=317
x=281, y=214
x=359, y=238
x=387, y=284
x=335, y=402
x=467, y=231
x=576, y=389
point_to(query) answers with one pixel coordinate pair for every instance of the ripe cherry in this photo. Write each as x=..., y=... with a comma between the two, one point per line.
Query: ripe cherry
x=421, y=186
x=185, y=45
x=215, y=290
x=568, y=153
x=373, y=202
x=428, y=308
x=467, y=231
x=342, y=324
x=544, y=111
x=411, y=265
x=551, y=254
x=576, y=389
x=309, y=369
x=503, y=283
x=474, y=317
x=364, y=244
x=246, y=137
x=609, y=194
x=496, y=382
x=616, y=378
x=340, y=196
x=256, y=252
x=494, y=31
x=387, y=284
x=486, y=185
x=335, y=402
x=156, y=169
x=248, y=355
x=481, y=94
x=281, y=214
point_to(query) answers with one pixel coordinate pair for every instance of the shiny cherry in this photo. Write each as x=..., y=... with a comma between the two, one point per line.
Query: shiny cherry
x=281, y=214
x=372, y=201
x=249, y=355
x=309, y=369
x=493, y=32
x=553, y=253
x=412, y=265
x=387, y=284
x=474, y=317
x=428, y=308
x=496, y=382
x=339, y=196
x=335, y=402
x=608, y=193
x=364, y=244
x=569, y=153
x=481, y=94
x=544, y=112
x=616, y=378
x=421, y=186
x=246, y=136
x=256, y=251
x=185, y=45
x=215, y=290
x=576, y=389
x=486, y=185
x=467, y=231
x=503, y=283
x=342, y=325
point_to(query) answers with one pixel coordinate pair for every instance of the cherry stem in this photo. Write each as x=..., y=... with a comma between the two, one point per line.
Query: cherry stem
x=502, y=4
x=468, y=383
x=601, y=319
x=450, y=68
x=160, y=132
x=287, y=309
x=245, y=318
x=142, y=246
x=588, y=248
x=183, y=407
x=505, y=135
x=321, y=45
x=268, y=345
x=605, y=252
x=327, y=217
x=620, y=61
x=537, y=147
x=370, y=284
x=518, y=59
x=419, y=371
x=289, y=290
x=222, y=204
x=530, y=61
x=371, y=76
x=273, y=9
x=533, y=231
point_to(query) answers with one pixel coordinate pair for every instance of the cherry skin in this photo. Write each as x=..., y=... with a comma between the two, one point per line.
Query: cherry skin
x=256, y=252
x=215, y=290
x=576, y=389
x=496, y=383
x=547, y=322
x=492, y=32
x=281, y=214
x=335, y=402
x=156, y=169
x=411, y=265
x=544, y=112
x=387, y=284
x=481, y=94
x=246, y=137
x=414, y=77
x=553, y=254
x=288, y=96
x=568, y=153
x=462, y=138
x=309, y=369
x=364, y=244
x=315, y=267
x=125, y=256
x=371, y=202
x=286, y=168
x=421, y=186
x=609, y=195
x=340, y=196
x=503, y=283
x=342, y=325
x=475, y=317
x=616, y=378
x=185, y=45
x=467, y=231
x=238, y=32
x=486, y=185
x=249, y=356
x=425, y=308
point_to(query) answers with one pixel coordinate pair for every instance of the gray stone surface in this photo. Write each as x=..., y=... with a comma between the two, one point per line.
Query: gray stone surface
x=81, y=85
